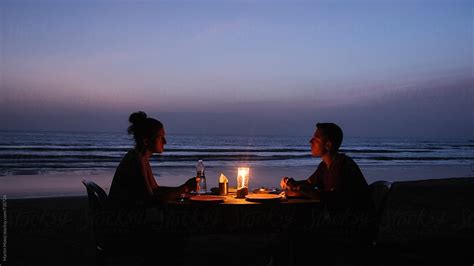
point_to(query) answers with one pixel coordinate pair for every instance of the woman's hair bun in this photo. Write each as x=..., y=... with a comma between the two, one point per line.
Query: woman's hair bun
x=137, y=120
x=137, y=117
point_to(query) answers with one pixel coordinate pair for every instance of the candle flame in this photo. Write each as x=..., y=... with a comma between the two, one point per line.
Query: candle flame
x=243, y=174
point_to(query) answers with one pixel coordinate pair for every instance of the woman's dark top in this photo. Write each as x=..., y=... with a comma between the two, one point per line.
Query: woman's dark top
x=128, y=186
x=342, y=184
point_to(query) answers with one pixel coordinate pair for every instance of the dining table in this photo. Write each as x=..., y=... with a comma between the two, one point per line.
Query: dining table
x=260, y=227
x=256, y=212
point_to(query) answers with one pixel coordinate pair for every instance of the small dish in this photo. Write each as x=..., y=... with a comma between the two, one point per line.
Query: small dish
x=207, y=199
x=263, y=197
x=264, y=190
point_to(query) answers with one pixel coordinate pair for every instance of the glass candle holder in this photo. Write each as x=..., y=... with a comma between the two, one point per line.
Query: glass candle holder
x=242, y=182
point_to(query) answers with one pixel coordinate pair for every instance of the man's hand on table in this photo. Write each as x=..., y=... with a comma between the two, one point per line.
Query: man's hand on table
x=287, y=183
x=283, y=182
x=295, y=188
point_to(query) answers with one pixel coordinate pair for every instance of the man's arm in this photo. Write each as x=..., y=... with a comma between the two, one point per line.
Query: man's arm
x=306, y=193
x=301, y=188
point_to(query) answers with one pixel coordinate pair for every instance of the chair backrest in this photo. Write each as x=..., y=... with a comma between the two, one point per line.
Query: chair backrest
x=96, y=195
x=424, y=210
x=379, y=191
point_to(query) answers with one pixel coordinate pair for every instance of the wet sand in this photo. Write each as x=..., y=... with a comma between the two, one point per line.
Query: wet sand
x=69, y=183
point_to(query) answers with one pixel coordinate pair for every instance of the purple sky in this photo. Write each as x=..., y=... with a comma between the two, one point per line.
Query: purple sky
x=378, y=68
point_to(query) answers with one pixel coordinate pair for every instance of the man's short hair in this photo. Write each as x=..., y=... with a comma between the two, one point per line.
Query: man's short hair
x=331, y=132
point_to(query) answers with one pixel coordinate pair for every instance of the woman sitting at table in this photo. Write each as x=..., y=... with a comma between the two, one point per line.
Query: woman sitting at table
x=134, y=183
x=338, y=181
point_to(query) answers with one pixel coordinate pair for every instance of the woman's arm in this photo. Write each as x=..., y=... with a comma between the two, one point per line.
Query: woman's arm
x=164, y=190
x=169, y=193
x=144, y=165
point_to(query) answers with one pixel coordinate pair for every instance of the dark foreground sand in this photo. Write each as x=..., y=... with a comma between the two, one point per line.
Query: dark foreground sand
x=426, y=221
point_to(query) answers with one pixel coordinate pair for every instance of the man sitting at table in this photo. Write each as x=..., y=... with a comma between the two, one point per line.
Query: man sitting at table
x=342, y=188
x=338, y=181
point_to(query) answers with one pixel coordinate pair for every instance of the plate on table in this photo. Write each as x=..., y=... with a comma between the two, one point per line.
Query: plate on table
x=263, y=197
x=207, y=199
x=264, y=190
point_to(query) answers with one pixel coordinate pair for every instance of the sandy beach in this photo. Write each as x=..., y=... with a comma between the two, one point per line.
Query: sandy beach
x=420, y=227
x=69, y=183
x=49, y=213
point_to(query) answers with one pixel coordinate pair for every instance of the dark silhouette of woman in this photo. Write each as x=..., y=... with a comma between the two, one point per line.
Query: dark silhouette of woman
x=133, y=181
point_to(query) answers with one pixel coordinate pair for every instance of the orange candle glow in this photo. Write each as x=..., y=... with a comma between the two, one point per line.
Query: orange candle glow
x=242, y=181
x=243, y=177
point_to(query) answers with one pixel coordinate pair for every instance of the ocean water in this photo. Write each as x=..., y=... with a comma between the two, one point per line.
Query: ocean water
x=41, y=152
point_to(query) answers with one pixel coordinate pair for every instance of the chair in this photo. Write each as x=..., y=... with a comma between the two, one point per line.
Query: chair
x=379, y=191
x=97, y=198
x=114, y=228
x=426, y=222
x=96, y=195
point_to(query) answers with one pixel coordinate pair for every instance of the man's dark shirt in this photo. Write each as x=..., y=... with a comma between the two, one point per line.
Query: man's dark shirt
x=342, y=185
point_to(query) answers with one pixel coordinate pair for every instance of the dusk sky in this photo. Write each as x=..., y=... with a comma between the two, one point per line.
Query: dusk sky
x=377, y=68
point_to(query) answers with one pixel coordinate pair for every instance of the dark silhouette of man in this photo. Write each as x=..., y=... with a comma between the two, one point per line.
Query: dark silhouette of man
x=338, y=180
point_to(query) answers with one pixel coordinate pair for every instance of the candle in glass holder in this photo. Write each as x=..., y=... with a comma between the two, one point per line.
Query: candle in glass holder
x=242, y=182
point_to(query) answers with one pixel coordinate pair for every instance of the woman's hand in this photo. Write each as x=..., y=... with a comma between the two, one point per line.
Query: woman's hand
x=191, y=184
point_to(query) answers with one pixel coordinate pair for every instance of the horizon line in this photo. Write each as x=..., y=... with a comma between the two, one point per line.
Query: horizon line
x=233, y=135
